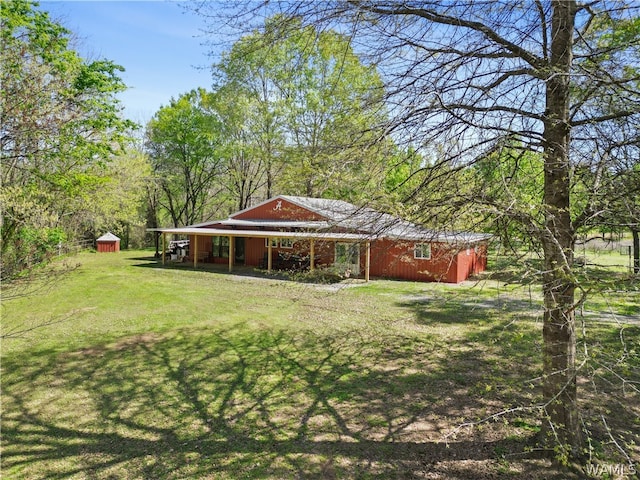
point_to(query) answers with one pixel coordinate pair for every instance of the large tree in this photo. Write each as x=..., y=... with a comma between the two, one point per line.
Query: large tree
x=249, y=148
x=60, y=124
x=182, y=140
x=476, y=77
x=307, y=110
x=253, y=108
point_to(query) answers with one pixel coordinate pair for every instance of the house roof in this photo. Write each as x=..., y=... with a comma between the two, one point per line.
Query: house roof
x=346, y=215
x=108, y=237
x=363, y=222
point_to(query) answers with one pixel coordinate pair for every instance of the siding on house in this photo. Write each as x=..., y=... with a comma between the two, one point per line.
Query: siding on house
x=254, y=250
x=277, y=209
x=395, y=259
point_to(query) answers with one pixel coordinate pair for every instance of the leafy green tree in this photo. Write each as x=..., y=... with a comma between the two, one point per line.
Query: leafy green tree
x=335, y=106
x=253, y=105
x=60, y=122
x=508, y=183
x=248, y=157
x=183, y=144
x=310, y=110
x=118, y=201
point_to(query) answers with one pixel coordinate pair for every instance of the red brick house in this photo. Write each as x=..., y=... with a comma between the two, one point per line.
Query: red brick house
x=301, y=232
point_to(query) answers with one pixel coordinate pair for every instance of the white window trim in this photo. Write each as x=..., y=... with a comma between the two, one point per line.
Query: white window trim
x=288, y=245
x=274, y=242
x=418, y=248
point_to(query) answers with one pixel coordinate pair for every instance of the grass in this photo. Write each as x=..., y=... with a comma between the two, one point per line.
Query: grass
x=148, y=372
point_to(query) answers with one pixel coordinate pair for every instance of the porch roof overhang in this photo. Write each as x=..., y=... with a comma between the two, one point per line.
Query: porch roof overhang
x=224, y=232
x=458, y=238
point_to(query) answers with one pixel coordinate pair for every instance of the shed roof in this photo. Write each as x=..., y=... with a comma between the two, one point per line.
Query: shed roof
x=108, y=237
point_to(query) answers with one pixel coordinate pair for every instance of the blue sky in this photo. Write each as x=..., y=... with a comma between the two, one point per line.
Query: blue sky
x=157, y=42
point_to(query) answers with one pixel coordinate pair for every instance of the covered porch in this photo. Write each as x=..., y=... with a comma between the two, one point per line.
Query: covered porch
x=267, y=236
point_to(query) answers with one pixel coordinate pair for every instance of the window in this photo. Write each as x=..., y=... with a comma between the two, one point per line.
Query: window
x=220, y=247
x=286, y=243
x=274, y=242
x=422, y=250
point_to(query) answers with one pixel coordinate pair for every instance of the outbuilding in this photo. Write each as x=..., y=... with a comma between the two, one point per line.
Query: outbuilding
x=302, y=232
x=108, y=243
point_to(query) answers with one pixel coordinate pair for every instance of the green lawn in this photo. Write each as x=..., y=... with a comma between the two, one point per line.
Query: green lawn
x=154, y=373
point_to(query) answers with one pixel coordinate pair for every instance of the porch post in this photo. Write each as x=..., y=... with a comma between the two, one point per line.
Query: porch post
x=269, y=256
x=232, y=252
x=311, y=255
x=195, y=251
x=164, y=247
x=367, y=261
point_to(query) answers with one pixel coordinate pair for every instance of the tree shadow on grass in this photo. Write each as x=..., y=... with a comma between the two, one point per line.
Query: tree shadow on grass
x=217, y=268
x=501, y=337
x=249, y=403
x=507, y=335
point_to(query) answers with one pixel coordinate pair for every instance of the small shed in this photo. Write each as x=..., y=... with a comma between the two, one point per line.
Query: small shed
x=108, y=243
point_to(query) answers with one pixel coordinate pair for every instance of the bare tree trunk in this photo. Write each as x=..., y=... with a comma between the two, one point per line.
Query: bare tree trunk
x=559, y=336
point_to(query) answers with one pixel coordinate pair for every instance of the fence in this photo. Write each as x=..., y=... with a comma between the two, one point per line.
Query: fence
x=75, y=247
x=597, y=246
